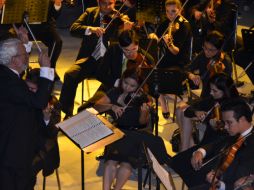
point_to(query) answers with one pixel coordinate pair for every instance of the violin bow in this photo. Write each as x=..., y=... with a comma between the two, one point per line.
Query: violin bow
x=226, y=149
x=115, y=16
x=155, y=66
x=179, y=12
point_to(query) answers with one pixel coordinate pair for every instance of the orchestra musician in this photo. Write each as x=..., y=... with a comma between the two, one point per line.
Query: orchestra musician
x=235, y=151
x=95, y=42
x=121, y=56
x=122, y=156
x=221, y=87
x=212, y=59
x=211, y=15
x=177, y=39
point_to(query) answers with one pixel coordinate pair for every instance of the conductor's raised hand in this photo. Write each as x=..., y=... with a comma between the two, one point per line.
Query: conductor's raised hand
x=44, y=60
x=197, y=160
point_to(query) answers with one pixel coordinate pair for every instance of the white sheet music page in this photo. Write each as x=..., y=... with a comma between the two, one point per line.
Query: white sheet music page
x=85, y=128
x=162, y=174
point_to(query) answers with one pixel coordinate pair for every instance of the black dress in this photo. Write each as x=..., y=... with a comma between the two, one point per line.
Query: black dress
x=130, y=148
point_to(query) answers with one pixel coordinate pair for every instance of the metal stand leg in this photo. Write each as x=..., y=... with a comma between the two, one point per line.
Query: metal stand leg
x=44, y=183
x=82, y=171
x=58, y=180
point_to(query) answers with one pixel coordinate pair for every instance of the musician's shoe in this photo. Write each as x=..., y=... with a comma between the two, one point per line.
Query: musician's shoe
x=166, y=115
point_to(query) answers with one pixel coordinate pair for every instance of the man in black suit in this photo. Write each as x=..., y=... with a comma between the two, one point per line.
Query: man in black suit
x=18, y=108
x=119, y=57
x=94, y=44
x=198, y=173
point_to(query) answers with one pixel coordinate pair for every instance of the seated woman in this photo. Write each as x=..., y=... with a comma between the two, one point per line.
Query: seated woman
x=122, y=155
x=221, y=87
x=47, y=156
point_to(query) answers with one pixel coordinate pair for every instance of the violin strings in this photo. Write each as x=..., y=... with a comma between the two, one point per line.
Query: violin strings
x=144, y=81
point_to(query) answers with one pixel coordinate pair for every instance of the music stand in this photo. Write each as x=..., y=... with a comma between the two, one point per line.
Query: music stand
x=14, y=10
x=163, y=81
x=89, y=131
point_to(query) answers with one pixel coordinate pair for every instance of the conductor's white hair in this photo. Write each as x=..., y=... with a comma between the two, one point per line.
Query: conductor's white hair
x=8, y=49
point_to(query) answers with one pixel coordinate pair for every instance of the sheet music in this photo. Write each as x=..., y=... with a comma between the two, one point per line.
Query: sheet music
x=85, y=128
x=162, y=174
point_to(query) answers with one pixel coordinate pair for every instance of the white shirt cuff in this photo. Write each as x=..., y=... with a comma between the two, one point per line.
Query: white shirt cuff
x=57, y=7
x=222, y=185
x=28, y=46
x=46, y=122
x=48, y=73
x=202, y=151
x=88, y=32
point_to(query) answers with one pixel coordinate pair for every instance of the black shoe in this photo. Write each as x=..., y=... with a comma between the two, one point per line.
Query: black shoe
x=166, y=115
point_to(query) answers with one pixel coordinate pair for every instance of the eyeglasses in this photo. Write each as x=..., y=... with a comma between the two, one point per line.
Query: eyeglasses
x=129, y=51
x=209, y=49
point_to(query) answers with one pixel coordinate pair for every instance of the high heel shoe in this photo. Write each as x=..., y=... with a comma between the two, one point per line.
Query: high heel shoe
x=166, y=115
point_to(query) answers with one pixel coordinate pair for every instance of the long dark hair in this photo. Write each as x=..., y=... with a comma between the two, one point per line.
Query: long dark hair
x=224, y=83
x=135, y=74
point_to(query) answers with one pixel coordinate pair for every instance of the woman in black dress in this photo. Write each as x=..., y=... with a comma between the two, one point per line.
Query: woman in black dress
x=122, y=155
x=221, y=87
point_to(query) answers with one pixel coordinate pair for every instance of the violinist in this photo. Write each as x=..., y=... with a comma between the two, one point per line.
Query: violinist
x=119, y=57
x=177, y=39
x=121, y=156
x=234, y=152
x=212, y=59
x=211, y=15
x=95, y=42
x=221, y=87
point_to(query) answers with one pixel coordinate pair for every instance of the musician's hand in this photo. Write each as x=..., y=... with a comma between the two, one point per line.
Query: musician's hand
x=47, y=112
x=168, y=39
x=211, y=179
x=197, y=160
x=117, y=110
x=22, y=34
x=200, y=115
x=2, y=2
x=44, y=60
x=58, y=2
x=127, y=25
x=97, y=30
x=195, y=78
x=144, y=108
x=153, y=36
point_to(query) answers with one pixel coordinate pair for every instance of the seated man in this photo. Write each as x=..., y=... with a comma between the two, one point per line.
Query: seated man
x=196, y=167
x=117, y=59
x=96, y=38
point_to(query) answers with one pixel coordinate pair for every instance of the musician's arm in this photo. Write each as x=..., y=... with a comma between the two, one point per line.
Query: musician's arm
x=80, y=26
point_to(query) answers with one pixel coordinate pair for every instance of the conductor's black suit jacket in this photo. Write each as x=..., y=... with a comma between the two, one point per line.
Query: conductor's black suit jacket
x=18, y=123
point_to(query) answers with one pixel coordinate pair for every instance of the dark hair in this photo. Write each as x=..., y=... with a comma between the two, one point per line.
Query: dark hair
x=224, y=83
x=215, y=38
x=127, y=37
x=33, y=75
x=173, y=2
x=239, y=107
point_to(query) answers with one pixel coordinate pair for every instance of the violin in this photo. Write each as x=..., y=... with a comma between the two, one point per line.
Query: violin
x=138, y=62
x=227, y=161
x=136, y=101
x=219, y=124
x=173, y=27
x=215, y=65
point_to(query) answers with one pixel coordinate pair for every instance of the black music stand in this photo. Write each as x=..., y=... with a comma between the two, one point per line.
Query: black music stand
x=163, y=81
x=14, y=10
